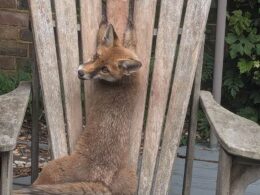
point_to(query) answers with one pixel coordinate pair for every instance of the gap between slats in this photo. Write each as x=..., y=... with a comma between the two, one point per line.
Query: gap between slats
x=193, y=33
x=164, y=59
x=68, y=55
x=47, y=62
x=155, y=30
x=144, y=24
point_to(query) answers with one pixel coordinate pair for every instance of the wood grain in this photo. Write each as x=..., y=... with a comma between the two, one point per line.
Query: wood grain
x=90, y=17
x=144, y=24
x=193, y=125
x=66, y=19
x=12, y=108
x=49, y=74
x=190, y=45
x=117, y=14
x=237, y=135
x=165, y=53
x=241, y=177
x=224, y=173
x=6, y=180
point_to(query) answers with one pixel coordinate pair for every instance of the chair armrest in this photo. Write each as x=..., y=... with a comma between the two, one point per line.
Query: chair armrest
x=12, y=110
x=237, y=135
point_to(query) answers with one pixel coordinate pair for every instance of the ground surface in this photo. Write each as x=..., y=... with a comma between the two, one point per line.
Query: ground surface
x=203, y=179
x=22, y=154
x=204, y=168
x=204, y=173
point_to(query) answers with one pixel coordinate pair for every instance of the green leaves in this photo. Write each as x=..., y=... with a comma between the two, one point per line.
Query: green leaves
x=208, y=63
x=255, y=96
x=256, y=77
x=233, y=83
x=245, y=66
x=231, y=38
x=257, y=49
x=249, y=113
x=203, y=126
x=242, y=38
x=241, y=74
x=9, y=82
x=239, y=22
x=243, y=45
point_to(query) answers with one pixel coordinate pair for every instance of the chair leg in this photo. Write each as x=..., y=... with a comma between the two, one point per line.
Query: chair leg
x=224, y=172
x=193, y=127
x=35, y=124
x=6, y=172
x=242, y=176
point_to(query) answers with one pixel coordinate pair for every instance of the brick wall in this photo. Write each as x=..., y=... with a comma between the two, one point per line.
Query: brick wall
x=15, y=35
x=16, y=38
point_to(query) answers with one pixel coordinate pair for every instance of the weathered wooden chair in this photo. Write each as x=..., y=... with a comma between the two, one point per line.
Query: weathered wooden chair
x=171, y=86
x=239, y=158
x=12, y=110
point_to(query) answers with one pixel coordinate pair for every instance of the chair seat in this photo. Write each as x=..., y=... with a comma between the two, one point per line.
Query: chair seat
x=237, y=135
x=12, y=110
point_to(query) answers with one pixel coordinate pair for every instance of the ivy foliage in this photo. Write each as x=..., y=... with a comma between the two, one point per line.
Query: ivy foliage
x=241, y=73
x=9, y=82
x=241, y=81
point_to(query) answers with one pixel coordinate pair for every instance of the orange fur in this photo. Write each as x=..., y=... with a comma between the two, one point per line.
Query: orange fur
x=101, y=157
x=118, y=59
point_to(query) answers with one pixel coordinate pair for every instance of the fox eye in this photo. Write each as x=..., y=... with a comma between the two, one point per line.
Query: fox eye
x=105, y=69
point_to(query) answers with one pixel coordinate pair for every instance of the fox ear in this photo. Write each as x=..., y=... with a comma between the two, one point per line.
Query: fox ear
x=129, y=66
x=110, y=37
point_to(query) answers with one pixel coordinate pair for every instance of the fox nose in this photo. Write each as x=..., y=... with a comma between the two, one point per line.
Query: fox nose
x=81, y=73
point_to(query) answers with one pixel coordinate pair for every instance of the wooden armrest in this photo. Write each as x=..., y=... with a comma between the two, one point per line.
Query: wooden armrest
x=12, y=110
x=237, y=135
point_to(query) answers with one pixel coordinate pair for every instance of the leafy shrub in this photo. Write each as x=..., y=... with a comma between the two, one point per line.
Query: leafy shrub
x=203, y=127
x=241, y=74
x=241, y=80
x=9, y=82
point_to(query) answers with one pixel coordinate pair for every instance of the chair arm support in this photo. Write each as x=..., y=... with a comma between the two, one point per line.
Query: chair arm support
x=12, y=110
x=237, y=135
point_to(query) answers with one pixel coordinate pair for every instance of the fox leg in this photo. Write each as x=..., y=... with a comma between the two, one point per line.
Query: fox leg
x=77, y=188
x=57, y=171
x=124, y=183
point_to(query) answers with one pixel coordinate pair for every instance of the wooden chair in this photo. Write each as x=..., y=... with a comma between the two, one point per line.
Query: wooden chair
x=173, y=76
x=239, y=158
x=12, y=110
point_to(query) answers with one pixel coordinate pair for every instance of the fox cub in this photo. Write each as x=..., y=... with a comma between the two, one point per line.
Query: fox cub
x=113, y=59
x=100, y=162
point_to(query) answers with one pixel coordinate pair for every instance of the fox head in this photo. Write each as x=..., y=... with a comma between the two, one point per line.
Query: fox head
x=112, y=60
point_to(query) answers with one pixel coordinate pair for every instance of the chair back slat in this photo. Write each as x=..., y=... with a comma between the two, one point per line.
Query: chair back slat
x=67, y=35
x=117, y=13
x=188, y=56
x=144, y=15
x=156, y=165
x=49, y=74
x=90, y=17
x=164, y=57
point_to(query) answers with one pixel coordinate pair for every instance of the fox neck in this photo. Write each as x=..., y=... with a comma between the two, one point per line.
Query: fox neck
x=108, y=119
